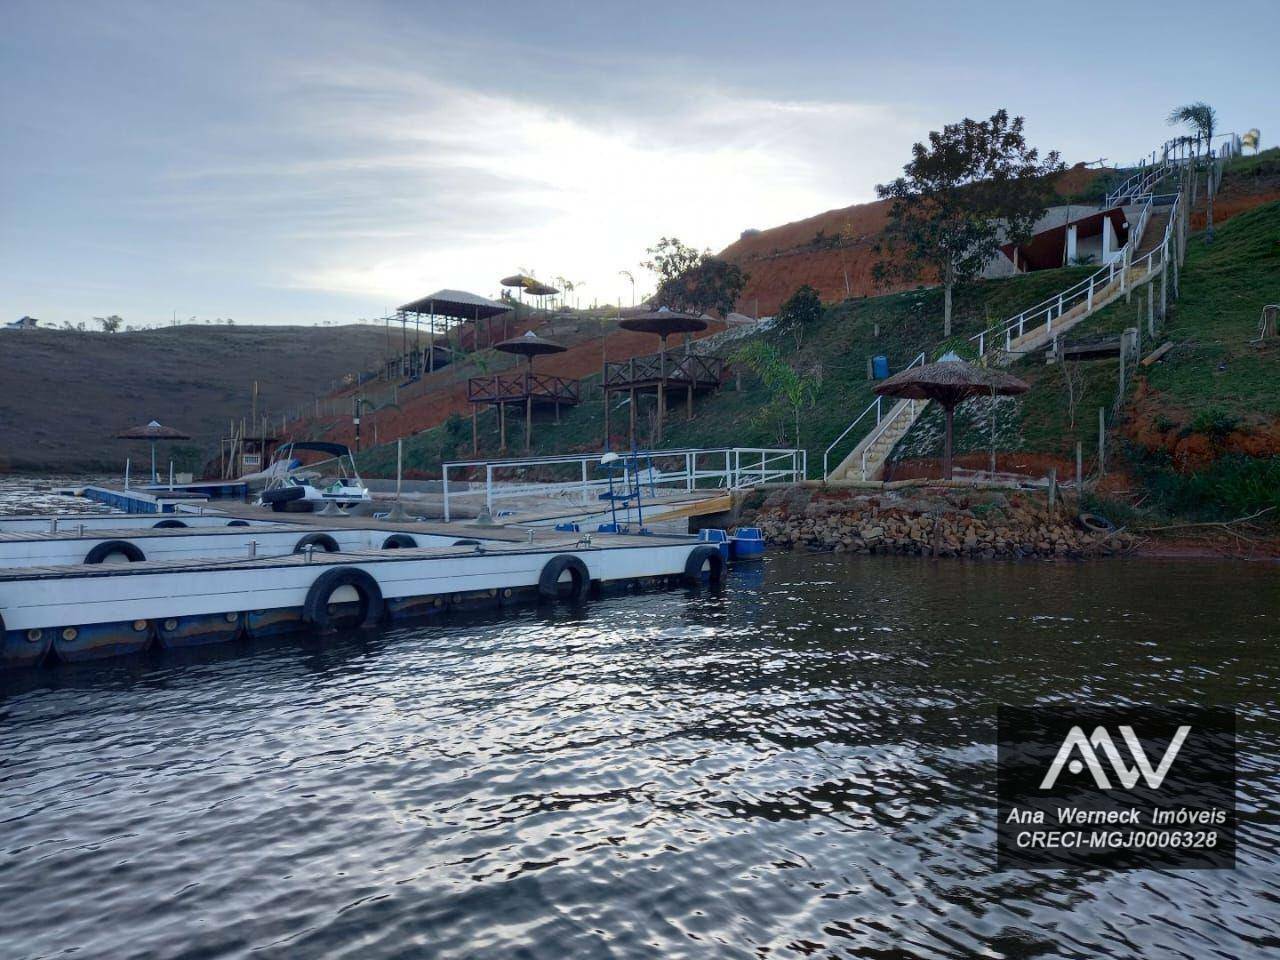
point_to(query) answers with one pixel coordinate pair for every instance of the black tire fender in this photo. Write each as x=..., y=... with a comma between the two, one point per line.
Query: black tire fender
x=1095, y=523
x=549, y=585
x=399, y=541
x=466, y=543
x=107, y=547
x=320, y=541
x=170, y=523
x=238, y=523
x=706, y=556
x=315, y=610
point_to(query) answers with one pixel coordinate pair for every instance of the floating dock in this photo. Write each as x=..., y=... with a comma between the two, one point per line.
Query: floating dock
x=88, y=611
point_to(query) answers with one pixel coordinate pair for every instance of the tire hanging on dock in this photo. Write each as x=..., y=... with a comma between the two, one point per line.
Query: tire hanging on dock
x=167, y=524
x=704, y=559
x=315, y=610
x=238, y=523
x=320, y=541
x=552, y=587
x=109, y=548
x=399, y=541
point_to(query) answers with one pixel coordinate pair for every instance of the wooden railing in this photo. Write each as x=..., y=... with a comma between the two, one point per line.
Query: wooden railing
x=700, y=370
x=503, y=387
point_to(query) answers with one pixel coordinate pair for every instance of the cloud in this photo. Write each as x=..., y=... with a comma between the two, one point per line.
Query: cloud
x=410, y=183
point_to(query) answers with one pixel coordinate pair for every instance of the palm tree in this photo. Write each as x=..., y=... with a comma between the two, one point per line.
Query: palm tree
x=1252, y=139
x=632, y=280
x=1201, y=118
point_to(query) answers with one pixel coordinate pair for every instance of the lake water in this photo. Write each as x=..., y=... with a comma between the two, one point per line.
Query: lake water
x=800, y=766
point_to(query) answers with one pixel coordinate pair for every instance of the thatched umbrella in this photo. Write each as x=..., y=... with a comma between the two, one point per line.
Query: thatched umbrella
x=530, y=346
x=664, y=321
x=949, y=381
x=153, y=432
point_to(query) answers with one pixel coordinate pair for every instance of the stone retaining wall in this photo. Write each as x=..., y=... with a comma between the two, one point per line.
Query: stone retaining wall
x=926, y=521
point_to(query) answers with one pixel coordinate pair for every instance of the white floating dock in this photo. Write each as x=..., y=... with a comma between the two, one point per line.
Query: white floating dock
x=84, y=612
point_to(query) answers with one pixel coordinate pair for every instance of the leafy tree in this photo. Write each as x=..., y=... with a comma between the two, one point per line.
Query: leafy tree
x=800, y=311
x=794, y=390
x=109, y=324
x=974, y=186
x=1203, y=120
x=692, y=281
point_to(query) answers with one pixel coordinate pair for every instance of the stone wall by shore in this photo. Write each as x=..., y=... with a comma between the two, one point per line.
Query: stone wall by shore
x=928, y=521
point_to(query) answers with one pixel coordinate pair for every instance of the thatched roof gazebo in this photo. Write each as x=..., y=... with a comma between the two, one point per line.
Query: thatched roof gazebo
x=153, y=433
x=949, y=381
x=527, y=388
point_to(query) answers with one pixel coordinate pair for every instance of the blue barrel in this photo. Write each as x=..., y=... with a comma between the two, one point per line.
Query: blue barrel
x=719, y=537
x=879, y=366
x=747, y=543
x=568, y=528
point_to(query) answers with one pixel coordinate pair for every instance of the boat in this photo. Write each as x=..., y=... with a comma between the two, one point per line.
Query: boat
x=296, y=488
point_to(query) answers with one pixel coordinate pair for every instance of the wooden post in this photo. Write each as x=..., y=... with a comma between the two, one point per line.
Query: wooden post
x=1102, y=441
x=475, y=442
x=502, y=427
x=1053, y=488
x=1079, y=469
x=632, y=407
x=1151, y=309
x=689, y=401
x=662, y=390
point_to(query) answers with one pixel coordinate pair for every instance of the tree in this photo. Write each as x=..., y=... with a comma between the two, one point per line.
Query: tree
x=795, y=390
x=1202, y=119
x=692, y=281
x=1252, y=138
x=799, y=312
x=109, y=324
x=973, y=187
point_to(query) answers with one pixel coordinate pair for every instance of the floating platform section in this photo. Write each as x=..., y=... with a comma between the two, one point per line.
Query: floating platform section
x=88, y=612
x=173, y=539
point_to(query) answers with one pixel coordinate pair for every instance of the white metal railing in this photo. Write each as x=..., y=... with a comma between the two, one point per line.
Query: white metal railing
x=1136, y=186
x=1086, y=292
x=908, y=407
x=877, y=405
x=689, y=469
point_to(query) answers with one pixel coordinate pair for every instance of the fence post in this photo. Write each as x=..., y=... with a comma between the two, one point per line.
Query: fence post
x=1102, y=441
x=1079, y=469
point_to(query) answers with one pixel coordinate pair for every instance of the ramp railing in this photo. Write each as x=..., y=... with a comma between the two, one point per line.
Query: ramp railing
x=581, y=478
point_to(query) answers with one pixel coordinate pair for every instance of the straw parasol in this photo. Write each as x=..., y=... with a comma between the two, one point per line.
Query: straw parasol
x=664, y=321
x=530, y=346
x=153, y=433
x=949, y=381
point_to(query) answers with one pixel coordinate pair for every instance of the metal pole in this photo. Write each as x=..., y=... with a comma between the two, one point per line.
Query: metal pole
x=399, y=465
x=1079, y=468
x=444, y=489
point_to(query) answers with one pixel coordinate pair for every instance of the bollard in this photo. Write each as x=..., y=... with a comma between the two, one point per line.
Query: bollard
x=253, y=549
x=310, y=551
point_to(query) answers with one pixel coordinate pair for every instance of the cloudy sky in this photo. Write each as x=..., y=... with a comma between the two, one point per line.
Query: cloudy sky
x=309, y=162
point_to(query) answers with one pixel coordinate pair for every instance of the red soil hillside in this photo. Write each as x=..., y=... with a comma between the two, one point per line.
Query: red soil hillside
x=433, y=399
x=832, y=252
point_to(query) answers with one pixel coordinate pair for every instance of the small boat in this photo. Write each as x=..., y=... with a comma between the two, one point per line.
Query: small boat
x=302, y=489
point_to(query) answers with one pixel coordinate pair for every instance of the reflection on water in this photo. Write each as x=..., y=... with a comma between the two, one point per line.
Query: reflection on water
x=801, y=766
x=25, y=495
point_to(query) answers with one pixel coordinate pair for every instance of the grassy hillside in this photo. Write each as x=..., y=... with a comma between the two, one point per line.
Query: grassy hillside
x=835, y=351
x=66, y=394
x=1200, y=431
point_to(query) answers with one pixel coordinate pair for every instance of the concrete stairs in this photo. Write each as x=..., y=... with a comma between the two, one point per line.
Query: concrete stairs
x=879, y=443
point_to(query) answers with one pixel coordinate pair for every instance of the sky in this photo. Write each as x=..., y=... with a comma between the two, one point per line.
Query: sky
x=290, y=162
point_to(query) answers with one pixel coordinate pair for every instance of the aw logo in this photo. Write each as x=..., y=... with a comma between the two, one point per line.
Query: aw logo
x=1088, y=748
x=1131, y=788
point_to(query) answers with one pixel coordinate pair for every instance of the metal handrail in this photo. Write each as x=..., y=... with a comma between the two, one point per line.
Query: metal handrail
x=874, y=405
x=1068, y=299
x=879, y=432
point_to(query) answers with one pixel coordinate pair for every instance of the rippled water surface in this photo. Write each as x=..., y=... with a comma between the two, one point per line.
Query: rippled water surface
x=800, y=766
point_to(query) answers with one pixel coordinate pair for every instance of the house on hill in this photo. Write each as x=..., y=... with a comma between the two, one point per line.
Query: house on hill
x=25, y=323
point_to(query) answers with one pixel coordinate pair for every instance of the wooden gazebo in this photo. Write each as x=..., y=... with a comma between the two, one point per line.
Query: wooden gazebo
x=524, y=387
x=446, y=308
x=662, y=371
